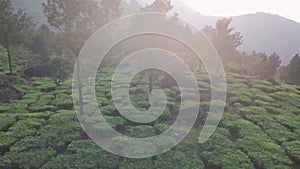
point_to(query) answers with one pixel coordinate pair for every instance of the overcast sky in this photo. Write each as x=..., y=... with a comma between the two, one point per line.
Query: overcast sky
x=286, y=8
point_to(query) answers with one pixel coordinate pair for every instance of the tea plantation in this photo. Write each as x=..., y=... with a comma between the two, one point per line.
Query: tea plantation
x=259, y=129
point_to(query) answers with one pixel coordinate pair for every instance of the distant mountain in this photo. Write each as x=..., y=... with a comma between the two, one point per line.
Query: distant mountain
x=262, y=32
x=269, y=33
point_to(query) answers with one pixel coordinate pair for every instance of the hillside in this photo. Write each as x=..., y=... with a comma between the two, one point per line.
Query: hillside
x=157, y=109
x=260, y=128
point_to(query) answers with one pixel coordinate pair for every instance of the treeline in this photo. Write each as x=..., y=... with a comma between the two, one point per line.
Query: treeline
x=261, y=65
x=73, y=22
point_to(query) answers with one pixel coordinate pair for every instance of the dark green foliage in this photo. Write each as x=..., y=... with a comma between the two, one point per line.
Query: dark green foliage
x=6, y=121
x=258, y=146
x=63, y=66
x=178, y=159
x=6, y=139
x=16, y=28
x=279, y=133
x=63, y=116
x=29, y=142
x=290, y=74
x=243, y=99
x=293, y=149
x=25, y=159
x=63, y=101
x=221, y=152
x=84, y=154
x=66, y=132
x=259, y=64
x=141, y=131
x=43, y=115
x=137, y=164
x=27, y=127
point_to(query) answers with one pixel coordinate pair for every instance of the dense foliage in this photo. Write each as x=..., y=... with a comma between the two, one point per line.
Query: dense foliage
x=260, y=128
x=39, y=128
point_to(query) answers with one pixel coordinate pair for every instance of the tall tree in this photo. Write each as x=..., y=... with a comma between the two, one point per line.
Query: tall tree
x=16, y=28
x=272, y=65
x=223, y=38
x=43, y=43
x=260, y=64
x=290, y=74
x=161, y=6
x=76, y=20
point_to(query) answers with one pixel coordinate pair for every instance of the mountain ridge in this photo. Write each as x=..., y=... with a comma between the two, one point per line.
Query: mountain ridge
x=262, y=32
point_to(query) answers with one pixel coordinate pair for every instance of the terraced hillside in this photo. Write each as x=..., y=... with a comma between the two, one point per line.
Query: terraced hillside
x=260, y=128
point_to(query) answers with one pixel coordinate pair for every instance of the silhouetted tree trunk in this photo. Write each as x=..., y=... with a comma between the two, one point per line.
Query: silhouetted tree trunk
x=9, y=60
x=150, y=80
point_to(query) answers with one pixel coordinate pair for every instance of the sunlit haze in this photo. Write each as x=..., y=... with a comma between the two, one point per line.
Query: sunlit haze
x=288, y=9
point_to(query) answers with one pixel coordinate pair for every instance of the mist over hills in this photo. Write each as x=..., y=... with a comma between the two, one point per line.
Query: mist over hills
x=262, y=32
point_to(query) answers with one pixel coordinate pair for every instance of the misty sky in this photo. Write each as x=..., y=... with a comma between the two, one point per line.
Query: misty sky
x=285, y=8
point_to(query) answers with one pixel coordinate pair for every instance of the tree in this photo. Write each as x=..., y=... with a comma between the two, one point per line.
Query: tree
x=16, y=28
x=62, y=66
x=260, y=64
x=76, y=20
x=223, y=38
x=43, y=43
x=162, y=6
x=290, y=73
x=272, y=65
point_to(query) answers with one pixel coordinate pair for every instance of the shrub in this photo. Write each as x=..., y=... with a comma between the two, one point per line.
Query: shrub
x=109, y=110
x=279, y=133
x=287, y=97
x=64, y=101
x=256, y=144
x=161, y=127
x=62, y=117
x=29, y=142
x=38, y=107
x=140, y=131
x=26, y=127
x=84, y=154
x=221, y=152
x=28, y=159
x=289, y=120
x=137, y=164
x=116, y=122
x=30, y=98
x=178, y=159
x=164, y=141
x=58, y=136
x=293, y=149
x=263, y=97
x=258, y=115
x=6, y=140
x=42, y=115
x=243, y=99
x=14, y=107
x=6, y=121
x=265, y=88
